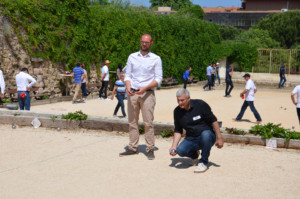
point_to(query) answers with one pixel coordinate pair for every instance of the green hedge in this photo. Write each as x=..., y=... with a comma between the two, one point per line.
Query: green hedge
x=69, y=30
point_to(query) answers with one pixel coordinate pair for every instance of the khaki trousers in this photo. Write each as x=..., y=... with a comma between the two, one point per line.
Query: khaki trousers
x=145, y=103
x=77, y=91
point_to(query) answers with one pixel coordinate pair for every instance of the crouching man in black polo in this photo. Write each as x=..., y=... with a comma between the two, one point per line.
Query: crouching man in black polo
x=202, y=130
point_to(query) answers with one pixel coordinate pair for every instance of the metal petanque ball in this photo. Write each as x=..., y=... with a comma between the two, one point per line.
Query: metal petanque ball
x=58, y=129
x=13, y=126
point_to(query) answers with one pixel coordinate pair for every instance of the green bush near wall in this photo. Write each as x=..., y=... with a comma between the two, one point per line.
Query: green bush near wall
x=70, y=30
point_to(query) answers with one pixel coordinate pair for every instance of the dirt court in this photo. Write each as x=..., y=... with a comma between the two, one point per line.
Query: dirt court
x=44, y=163
x=274, y=105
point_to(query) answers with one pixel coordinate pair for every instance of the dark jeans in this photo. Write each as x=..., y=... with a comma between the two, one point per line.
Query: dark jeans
x=83, y=88
x=218, y=76
x=253, y=109
x=228, y=83
x=209, y=82
x=298, y=113
x=184, y=83
x=213, y=79
x=103, y=86
x=24, y=102
x=120, y=98
x=189, y=147
x=282, y=81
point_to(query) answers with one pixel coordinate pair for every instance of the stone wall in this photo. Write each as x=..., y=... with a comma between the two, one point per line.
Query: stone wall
x=48, y=75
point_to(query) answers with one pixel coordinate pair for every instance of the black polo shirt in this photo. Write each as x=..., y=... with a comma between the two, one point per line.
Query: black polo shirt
x=197, y=119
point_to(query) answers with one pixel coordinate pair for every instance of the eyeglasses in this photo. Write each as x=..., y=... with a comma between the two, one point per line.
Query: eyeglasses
x=144, y=42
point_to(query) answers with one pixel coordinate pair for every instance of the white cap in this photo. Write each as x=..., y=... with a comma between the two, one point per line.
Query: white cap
x=217, y=63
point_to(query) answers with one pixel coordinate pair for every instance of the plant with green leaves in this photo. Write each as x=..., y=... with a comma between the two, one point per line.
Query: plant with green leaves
x=78, y=115
x=167, y=133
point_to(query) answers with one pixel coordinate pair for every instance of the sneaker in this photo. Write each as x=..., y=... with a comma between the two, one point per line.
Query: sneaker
x=74, y=102
x=201, y=168
x=84, y=99
x=108, y=99
x=128, y=152
x=150, y=155
x=194, y=162
x=115, y=115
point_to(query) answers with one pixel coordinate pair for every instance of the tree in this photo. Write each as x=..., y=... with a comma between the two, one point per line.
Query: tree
x=174, y=4
x=283, y=27
x=194, y=11
x=229, y=32
x=258, y=38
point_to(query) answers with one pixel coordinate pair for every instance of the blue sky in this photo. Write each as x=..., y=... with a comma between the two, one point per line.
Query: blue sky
x=202, y=3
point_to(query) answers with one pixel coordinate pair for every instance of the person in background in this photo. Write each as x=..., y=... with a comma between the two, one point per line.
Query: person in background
x=84, y=82
x=120, y=89
x=2, y=85
x=23, y=86
x=217, y=73
x=119, y=71
x=202, y=130
x=282, y=76
x=143, y=74
x=213, y=76
x=229, y=73
x=78, y=74
x=296, y=91
x=248, y=94
x=104, y=79
x=186, y=76
x=209, y=71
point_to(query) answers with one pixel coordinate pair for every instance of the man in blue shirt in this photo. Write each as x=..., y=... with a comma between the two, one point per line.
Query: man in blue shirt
x=229, y=72
x=209, y=71
x=282, y=76
x=78, y=72
x=186, y=76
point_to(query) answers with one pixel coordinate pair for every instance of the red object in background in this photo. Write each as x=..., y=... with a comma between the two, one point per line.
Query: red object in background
x=243, y=96
x=23, y=95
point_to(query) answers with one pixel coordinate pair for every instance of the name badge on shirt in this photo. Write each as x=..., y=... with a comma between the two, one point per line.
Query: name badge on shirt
x=197, y=117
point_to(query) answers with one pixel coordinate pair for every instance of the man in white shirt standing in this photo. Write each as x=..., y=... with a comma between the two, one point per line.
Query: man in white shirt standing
x=104, y=79
x=297, y=103
x=143, y=74
x=23, y=85
x=248, y=94
x=2, y=85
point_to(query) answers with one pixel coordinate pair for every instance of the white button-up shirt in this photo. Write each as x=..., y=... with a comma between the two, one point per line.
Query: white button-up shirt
x=142, y=70
x=22, y=80
x=2, y=83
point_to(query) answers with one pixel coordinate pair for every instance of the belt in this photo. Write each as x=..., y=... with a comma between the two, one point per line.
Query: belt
x=120, y=93
x=23, y=91
x=136, y=90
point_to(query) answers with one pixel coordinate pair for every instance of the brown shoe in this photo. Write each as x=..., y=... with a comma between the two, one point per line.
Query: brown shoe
x=128, y=152
x=258, y=122
x=150, y=155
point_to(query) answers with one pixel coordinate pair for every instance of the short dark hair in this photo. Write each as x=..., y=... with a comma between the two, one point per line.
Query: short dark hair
x=78, y=63
x=24, y=69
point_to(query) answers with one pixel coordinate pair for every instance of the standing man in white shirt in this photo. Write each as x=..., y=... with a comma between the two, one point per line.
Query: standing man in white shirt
x=23, y=85
x=2, y=85
x=297, y=103
x=143, y=74
x=248, y=94
x=104, y=79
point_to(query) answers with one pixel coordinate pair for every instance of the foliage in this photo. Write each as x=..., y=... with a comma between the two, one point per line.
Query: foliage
x=236, y=131
x=257, y=38
x=174, y=4
x=274, y=130
x=194, y=11
x=167, y=133
x=67, y=31
x=141, y=130
x=229, y=32
x=6, y=101
x=283, y=27
x=53, y=117
x=243, y=55
x=78, y=115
